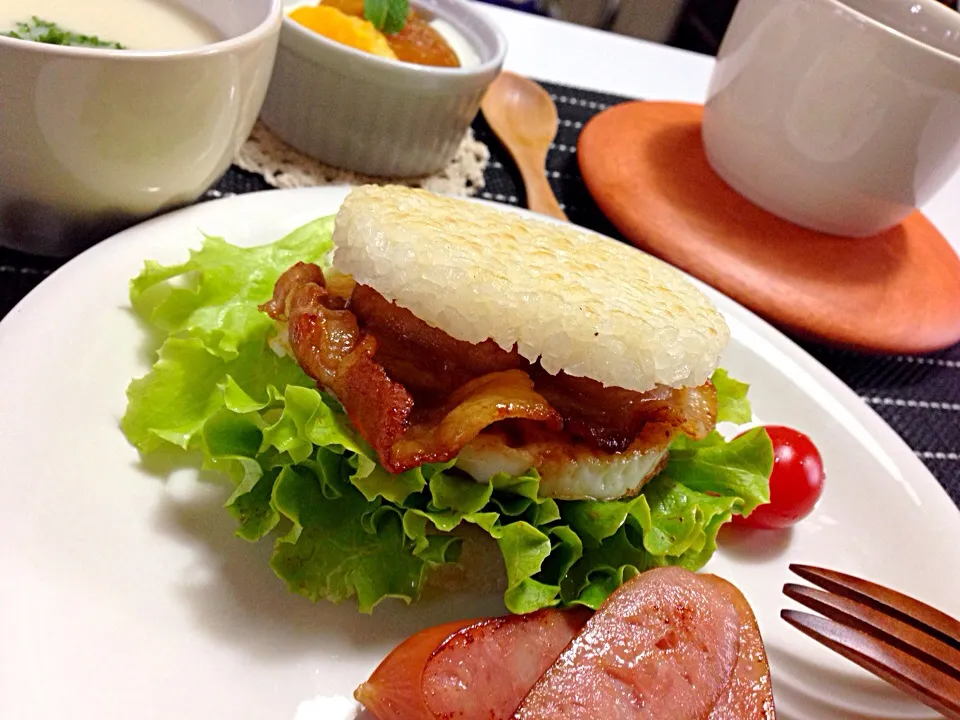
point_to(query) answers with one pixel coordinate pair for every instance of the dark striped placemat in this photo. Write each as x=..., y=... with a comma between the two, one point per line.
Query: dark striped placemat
x=919, y=396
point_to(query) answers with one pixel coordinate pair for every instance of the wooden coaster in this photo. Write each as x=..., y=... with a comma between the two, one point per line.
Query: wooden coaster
x=897, y=292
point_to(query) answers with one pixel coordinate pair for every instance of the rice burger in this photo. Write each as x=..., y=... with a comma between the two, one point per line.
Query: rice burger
x=455, y=332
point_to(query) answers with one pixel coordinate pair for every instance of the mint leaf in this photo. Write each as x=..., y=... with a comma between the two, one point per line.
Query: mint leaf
x=376, y=12
x=388, y=16
x=396, y=16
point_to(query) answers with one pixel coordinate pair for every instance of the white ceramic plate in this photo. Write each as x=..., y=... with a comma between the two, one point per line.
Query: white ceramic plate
x=124, y=595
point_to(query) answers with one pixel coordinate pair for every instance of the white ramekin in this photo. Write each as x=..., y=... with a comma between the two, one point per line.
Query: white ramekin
x=368, y=114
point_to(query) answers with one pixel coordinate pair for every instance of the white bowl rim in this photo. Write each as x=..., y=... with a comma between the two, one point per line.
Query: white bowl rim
x=269, y=25
x=928, y=5
x=493, y=64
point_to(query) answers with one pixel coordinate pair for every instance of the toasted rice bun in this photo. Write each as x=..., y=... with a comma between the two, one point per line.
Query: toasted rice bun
x=574, y=300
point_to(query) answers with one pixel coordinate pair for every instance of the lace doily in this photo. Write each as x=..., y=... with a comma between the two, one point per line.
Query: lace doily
x=284, y=167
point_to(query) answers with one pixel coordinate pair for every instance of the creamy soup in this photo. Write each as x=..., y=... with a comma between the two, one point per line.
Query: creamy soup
x=135, y=24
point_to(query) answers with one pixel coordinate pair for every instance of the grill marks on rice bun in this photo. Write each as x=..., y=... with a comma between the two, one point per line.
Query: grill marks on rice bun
x=574, y=300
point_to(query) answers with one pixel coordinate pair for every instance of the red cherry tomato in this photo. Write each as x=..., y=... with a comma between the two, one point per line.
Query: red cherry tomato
x=796, y=483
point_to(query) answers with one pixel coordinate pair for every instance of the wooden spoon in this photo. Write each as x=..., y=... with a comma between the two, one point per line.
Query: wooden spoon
x=523, y=116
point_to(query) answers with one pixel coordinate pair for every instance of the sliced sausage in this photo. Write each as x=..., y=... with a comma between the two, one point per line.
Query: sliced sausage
x=484, y=671
x=393, y=691
x=662, y=647
x=749, y=696
x=469, y=669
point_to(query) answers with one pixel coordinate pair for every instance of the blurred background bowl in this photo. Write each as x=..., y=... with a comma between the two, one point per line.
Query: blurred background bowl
x=375, y=115
x=95, y=140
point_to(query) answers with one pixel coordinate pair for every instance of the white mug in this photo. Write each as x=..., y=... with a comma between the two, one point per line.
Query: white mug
x=842, y=116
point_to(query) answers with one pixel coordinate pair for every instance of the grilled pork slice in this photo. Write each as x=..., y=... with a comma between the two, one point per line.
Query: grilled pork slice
x=418, y=395
x=473, y=670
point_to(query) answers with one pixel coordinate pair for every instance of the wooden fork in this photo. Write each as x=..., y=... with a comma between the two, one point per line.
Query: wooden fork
x=899, y=639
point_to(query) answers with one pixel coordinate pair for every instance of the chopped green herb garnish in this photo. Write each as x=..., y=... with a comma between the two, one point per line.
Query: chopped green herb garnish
x=44, y=31
x=388, y=16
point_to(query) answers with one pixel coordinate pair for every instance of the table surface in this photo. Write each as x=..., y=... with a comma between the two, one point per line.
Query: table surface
x=635, y=68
